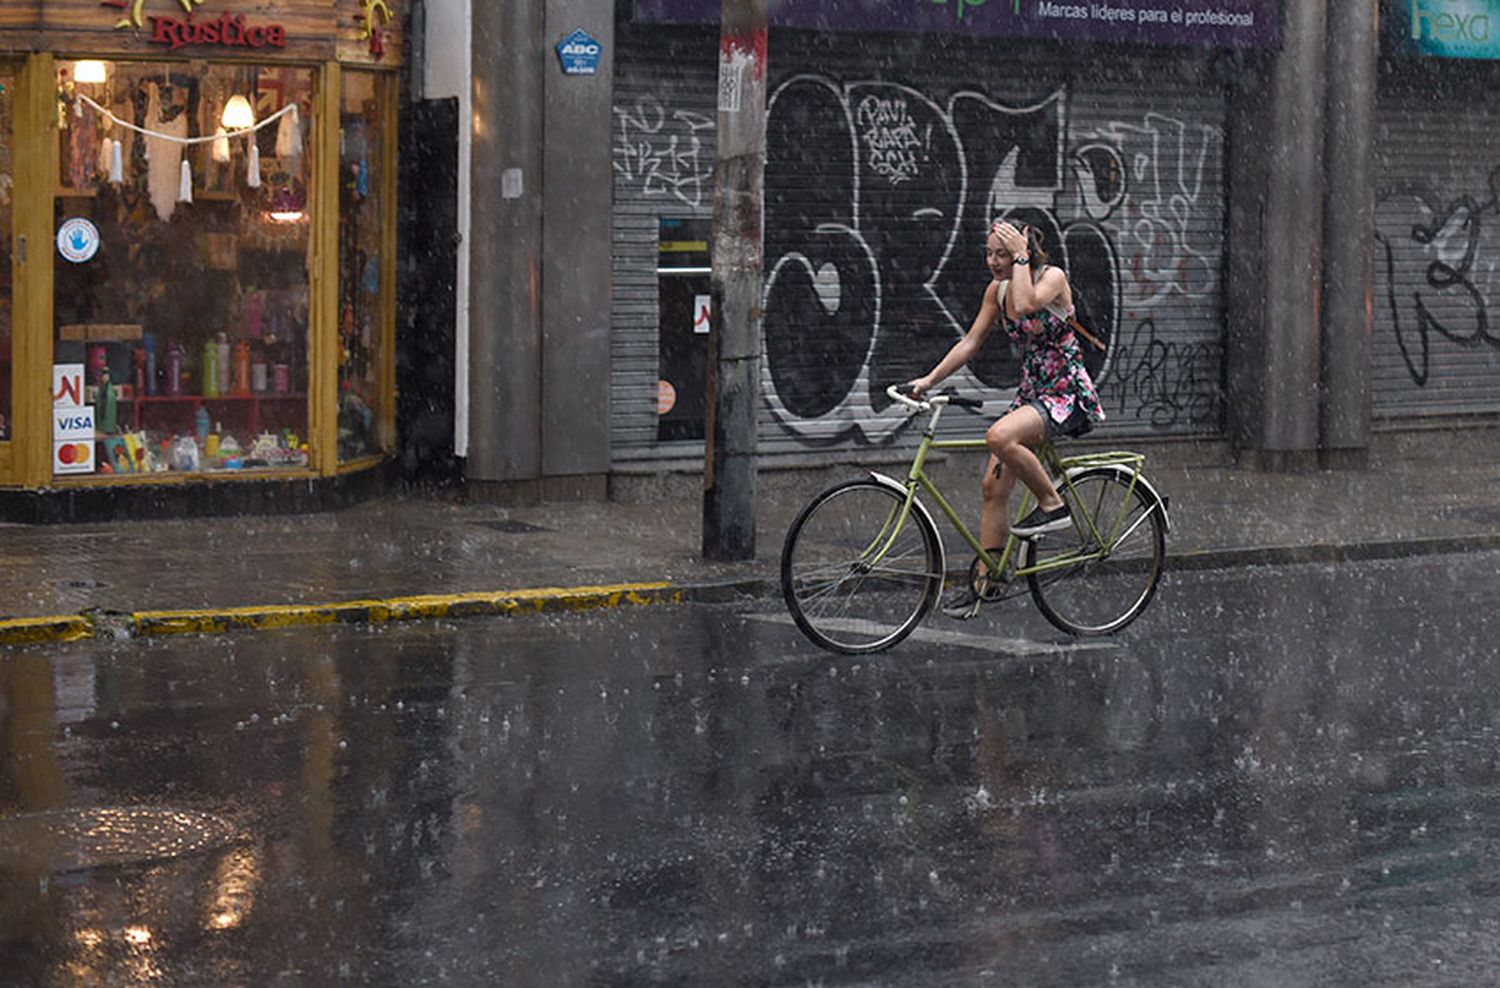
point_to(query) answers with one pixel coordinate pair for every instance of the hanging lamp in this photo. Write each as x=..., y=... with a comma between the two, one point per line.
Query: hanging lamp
x=90, y=70
x=238, y=114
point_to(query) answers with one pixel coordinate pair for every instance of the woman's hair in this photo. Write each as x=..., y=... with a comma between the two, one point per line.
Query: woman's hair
x=1034, y=249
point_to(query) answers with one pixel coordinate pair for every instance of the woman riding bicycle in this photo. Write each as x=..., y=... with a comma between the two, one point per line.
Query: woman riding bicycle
x=1056, y=397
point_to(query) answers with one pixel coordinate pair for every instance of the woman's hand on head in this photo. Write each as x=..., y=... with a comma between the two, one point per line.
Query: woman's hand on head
x=1011, y=239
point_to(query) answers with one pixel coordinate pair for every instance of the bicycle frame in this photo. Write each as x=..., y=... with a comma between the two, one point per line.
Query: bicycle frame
x=1104, y=536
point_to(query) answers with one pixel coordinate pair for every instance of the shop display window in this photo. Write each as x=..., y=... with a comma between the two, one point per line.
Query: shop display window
x=7, y=195
x=181, y=281
x=361, y=264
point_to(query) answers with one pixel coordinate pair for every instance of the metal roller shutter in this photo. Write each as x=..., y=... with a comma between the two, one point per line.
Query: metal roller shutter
x=886, y=155
x=1436, y=352
x=662, y=151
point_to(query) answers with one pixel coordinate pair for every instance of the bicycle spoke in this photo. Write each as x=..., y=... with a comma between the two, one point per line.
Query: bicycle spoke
x=1109, y=584
x=858, y=572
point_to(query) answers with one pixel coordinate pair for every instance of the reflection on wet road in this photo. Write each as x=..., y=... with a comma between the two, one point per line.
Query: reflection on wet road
x=1278, y=776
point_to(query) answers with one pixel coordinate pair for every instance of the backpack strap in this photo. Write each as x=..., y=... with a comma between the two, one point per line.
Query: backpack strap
x=1059, y=310
x=1077, y=327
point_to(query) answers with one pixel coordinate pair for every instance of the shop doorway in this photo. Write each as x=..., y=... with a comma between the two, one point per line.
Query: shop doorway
x=683, y=283
x=429, y=302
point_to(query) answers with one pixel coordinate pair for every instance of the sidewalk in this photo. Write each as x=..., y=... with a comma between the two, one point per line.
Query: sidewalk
x=402, y=557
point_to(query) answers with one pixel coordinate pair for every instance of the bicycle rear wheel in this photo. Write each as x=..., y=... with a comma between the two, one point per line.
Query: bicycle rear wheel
x=1099, y=592
x=851, y=585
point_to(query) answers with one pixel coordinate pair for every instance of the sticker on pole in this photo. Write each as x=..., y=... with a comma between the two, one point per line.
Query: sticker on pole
x=77, y=240
x=580, y=53
x=731, y=81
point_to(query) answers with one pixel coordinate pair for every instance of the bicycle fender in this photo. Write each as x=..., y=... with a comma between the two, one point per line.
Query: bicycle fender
x=920, y=508
x=1124, y=474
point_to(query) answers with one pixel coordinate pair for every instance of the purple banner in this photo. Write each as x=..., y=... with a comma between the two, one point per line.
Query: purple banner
x=1227, y=23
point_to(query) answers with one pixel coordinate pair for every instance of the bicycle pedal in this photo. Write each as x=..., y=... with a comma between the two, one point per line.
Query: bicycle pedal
x=991, y=592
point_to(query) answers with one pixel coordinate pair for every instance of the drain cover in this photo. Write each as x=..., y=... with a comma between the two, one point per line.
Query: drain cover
x=513, y=527
x=76, y=840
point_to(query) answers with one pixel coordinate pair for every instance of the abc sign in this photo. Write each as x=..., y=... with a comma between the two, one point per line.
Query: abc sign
x=579, y=53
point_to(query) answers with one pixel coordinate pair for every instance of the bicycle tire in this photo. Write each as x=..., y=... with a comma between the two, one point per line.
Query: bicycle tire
x=1100, y=596
x=836, y=597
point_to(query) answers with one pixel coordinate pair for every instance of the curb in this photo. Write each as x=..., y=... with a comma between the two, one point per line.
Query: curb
x=1330, y=552
x=159, y=623
x=58, y=628
x=151, y=624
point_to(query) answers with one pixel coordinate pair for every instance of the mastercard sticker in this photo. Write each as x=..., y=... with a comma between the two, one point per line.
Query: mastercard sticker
x=73, y=457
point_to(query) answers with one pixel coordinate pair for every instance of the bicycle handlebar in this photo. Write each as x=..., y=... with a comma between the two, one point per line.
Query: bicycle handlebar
x=898, y=393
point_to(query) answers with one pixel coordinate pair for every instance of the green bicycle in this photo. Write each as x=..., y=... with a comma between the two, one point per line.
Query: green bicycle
x=863, y=562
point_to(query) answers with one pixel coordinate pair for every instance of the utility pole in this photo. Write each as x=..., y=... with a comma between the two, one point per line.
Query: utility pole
x=734, y=343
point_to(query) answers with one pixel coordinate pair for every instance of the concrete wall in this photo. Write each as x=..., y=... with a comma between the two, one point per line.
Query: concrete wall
x=538, y=350
x=576, y=198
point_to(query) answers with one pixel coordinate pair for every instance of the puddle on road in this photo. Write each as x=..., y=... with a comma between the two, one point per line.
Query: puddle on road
x=1018, y=647
x=60, y=841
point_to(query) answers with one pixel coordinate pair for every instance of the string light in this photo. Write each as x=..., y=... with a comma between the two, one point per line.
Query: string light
x=289, y=108
x=252, y=163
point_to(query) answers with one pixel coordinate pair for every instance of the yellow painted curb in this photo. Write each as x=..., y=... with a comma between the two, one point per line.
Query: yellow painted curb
x=56, y=628
x=177, y=622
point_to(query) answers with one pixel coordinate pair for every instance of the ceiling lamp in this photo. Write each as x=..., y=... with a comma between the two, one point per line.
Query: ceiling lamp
x=238, y=114
x=90, y=70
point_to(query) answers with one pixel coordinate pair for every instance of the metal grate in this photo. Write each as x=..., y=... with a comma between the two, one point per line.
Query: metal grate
x=512, y=527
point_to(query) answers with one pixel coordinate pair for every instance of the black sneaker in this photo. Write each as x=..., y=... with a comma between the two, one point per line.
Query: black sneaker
x=962, y=604
x=1040, y=521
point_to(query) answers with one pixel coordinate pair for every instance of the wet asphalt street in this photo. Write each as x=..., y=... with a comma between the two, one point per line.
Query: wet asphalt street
x=1278, y=776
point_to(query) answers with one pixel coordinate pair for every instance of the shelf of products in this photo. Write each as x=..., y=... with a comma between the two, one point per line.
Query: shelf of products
x=192, y=320
x=252, y=404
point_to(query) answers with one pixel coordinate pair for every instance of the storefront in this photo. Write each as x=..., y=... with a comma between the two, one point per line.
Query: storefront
x=197, y=282
x=890, y=142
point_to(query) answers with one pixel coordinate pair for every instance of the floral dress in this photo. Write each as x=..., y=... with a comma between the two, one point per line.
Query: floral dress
x=1052, y=370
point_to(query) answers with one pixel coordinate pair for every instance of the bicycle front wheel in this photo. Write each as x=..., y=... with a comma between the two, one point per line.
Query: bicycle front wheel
x=859, y=571
x=1095, y=579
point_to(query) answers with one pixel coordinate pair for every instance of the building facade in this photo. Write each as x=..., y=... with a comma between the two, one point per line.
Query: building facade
x=1280, y=233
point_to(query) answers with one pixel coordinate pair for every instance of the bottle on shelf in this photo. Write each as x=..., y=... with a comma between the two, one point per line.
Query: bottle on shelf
x=98, y=362
x=174, y=370
x=242, y=367
x=210, y=370
x=200, y=424
x=281, y=371
x=224, y=365
x=148, y=343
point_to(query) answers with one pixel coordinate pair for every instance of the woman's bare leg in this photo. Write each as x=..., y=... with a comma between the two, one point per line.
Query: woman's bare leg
x=1010, y=440
x=994, y=506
